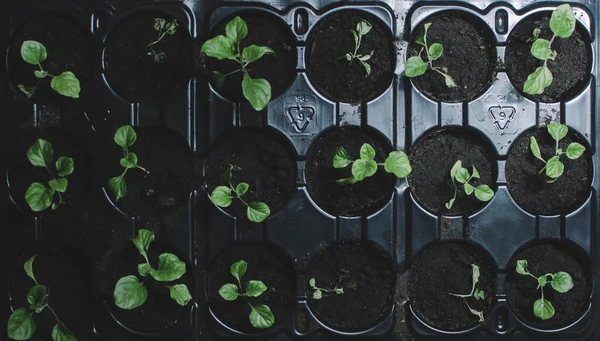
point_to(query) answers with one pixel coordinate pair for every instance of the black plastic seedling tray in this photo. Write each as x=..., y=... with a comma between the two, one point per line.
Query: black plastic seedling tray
x=93, y=225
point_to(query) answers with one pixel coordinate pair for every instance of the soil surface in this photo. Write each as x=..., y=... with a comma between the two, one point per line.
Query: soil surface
x=68, y=47
x=167, y=187
x=367, y=276
x=133, y=72
x=262, y=161
x=469, y=55
x=522, y=291
x=570, y=70
x=279, y=69
x=432, y=159
x=362, y=198
x=337, y=78
x=265, y=265
x=445, y=267
x=159, y=312
x=530, y=190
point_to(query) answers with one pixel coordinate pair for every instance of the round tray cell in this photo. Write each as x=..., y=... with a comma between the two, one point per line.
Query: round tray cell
x=570, y=69
x=432, y=158
x=138, y=72
x=263, y=159
x=364, y=197
x=531, y=190
x=167, y=185
x=264, y=263
x=364, y=273
x=549, y=257
x=328, y=68
x=68, y=48
x=264, y=29
x=469, y=56
x=445, y=268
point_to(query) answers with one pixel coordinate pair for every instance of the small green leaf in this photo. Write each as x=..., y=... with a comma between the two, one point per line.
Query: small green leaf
x=130, y=161
x=355, y=35
x=59, y=185
x=575, y=150
x=536, y=33
x=479, y=295
x=562, y=21
x=255, y=288
x=218, y=78
x=415, y=66
x=450, y=203
x=557, y=131
x=236, y=29
x=144, y=269
x=60, y=332
x=125, y=136
x=261, y=317
x=180, y=294
x=420, y=39
x=347, y=181
x=33, y=52
x=362, y=169
x=317, y=294
x=258, y=211
x=367, y=152
x=554, y=168
x=541, y=49
x=348, y=57
x=312, y=282
x=41, y=153
x=226, y=178
x=462, y=175
x=562, y=282
x=27, y=90
x=28, y=267
x=130, y=293
x=118, y=186
x=219, y=47
x=238, y=269
x=66, y=84
x=435, y=51
x=241, y=188
x=65, y=166
x=522, y=267
x=221, y=196
x=475, y=174
x=542, y=281
x=397, y=162
x=21, y=325
x=257, y=92
x=454, y=170
x=535, y=149
x=537, y=81
x=543, y=309
x=341, y=159
x=39, y=197
x=484, y=193
x=469, y=189
x=367, y=68
x=169, y=269
x=36, y=297
x=253, y=53
x=363, y=27
x=476, y=273
x=40, y=74
x=142, y=241
x=229, y=292
x=449, y=81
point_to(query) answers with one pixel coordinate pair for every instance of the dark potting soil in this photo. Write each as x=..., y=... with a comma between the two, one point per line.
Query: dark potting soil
x=469, y=55
x=432, y=159
x=522, y=291
x=279, y=69
x=63, y=273
x=443, y=268
x=68, y=47
x=167, y=187
x=337, y=78
x=260, y=160
x=136, y=75
x=367, y=276
x=273, y=269
x=160, y=311
x=570, y=70
x=530, y=190
x=362, y=198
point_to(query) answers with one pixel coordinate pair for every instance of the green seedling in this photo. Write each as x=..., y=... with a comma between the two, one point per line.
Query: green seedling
x=362, y=28
x=477, y=294
x=261, y=316
x=257, y=91
x=396, y=163
x=318, y=292
x=562, y=24
x=65, y=84
x=130, y=293
x=125, y=137
x=554, y=167
x=415, y=66
x=560, y=281
x=38, y=196
x=21, y=324
x=222, y=196
x=163, y=27
x=461, y=175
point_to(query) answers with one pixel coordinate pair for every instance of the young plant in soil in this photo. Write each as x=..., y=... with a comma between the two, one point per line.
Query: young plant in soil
x=560, y=281
x=460, y=174
x=163, y=27
x=415, y=66
x=256, y=91
x=362, y=28
x=396, y=163
x=130, y=293
x=124, y=137
x=554, y=167
x=38, y=196
x=562, y=24
x=65, y=84
x=318, y=292
x=21, y=325
x=477, y=294
x=222, y=196
x=260, y=316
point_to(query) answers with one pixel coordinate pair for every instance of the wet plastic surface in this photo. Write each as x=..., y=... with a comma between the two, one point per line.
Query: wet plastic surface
x=199, y=231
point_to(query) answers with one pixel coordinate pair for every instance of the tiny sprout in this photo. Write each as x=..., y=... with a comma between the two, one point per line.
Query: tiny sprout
x=562, y=24
x=396, y=163
x=460, y=174
x=362, y=28
x=318, y=292
x=415, y=66
x=65, y=84
x=560, y=281
x=124, y=137
x=38, y=196
x=163, y=27
x=475, y=293
x=261, y=316
x=257, y=211
x=554, y=168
